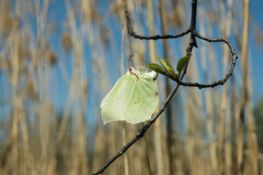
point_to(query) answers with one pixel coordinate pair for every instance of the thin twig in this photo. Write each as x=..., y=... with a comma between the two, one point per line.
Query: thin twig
x=157, y=37
x=218, y=82
x=143, y=37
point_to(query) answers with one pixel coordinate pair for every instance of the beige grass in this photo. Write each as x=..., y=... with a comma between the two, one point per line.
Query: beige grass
x=218, y=134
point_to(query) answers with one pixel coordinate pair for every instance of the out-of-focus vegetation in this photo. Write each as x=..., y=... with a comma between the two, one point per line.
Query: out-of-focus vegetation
x=259, y=123
x=59, y=58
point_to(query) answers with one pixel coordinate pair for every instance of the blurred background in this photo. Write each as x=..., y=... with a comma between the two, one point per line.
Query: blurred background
x=58, y=59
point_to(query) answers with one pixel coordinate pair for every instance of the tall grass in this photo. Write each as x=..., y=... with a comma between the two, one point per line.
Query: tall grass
x=59, y=58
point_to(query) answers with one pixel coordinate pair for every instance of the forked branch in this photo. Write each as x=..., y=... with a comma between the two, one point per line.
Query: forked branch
x=191, y=44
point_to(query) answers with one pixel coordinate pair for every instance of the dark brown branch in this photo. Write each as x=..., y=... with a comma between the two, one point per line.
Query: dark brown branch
x=145, y=128
x=157, y=37
x=216, y=41
x=143, y=37
x=192, y=27
x=192, y=43
x=218, y=82
x=140, y=134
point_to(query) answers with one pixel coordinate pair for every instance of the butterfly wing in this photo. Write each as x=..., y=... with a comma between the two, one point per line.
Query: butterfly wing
x=115, y=102
x=133, y=98
x=143, y=102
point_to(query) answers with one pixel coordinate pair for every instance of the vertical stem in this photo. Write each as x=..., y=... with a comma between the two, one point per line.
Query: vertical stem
x=244, y=51
x=130, y=63
x=129, y=43
x=193, y=15
x=192, y=28
x=124, y=140
x=246, y=104
x=169, y=121
x=240, y=118
x=157, y=129
x=225, y=102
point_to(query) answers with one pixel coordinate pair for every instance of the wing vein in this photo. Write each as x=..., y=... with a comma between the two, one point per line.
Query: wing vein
x=129, y=99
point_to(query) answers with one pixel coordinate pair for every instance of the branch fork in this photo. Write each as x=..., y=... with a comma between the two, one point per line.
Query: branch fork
x=192, y=43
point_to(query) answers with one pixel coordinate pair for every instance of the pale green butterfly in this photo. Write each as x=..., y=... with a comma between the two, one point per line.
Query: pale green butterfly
x=133, y=98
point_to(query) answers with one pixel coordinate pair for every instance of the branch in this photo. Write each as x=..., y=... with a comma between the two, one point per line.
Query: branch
x=145, y=128
x=140, y=134
x=234, y=57
x=143, y=37
x=192, y=43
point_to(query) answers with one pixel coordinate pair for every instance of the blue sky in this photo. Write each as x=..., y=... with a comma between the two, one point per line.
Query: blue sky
x=257, y=52
x=59, y=88
x=58, y=13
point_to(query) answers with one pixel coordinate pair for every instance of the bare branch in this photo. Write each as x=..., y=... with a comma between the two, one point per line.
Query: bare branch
x=234, y=57
x=192, y=43
x=143, y=37
x=140, y=134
